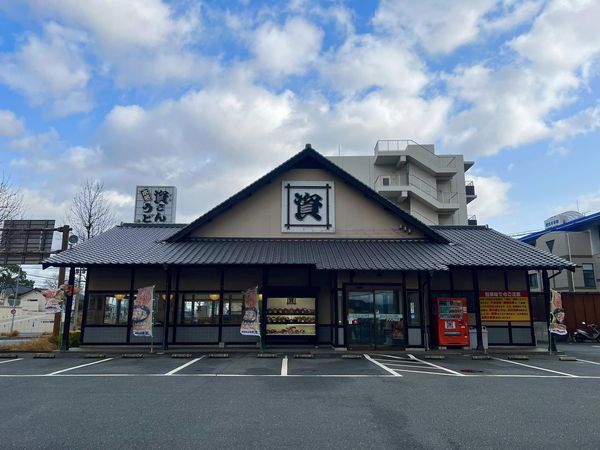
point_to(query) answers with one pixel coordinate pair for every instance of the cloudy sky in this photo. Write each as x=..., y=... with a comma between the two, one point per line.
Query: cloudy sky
x=209, y=95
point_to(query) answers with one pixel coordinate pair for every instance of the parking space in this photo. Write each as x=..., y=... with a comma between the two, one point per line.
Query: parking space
x=320, y=365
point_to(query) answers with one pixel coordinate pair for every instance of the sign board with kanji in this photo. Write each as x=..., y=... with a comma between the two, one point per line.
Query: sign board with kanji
x=25, y=241
x=308, y=207
x=504, y=306
x=155, y=204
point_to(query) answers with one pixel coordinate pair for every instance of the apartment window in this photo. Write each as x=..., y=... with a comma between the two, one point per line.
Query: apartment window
x=385, y=181
x=589, y=279
x=534, y=281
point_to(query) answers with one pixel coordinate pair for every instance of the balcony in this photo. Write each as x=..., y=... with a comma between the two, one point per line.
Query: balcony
x=470, y=191
x=399, y=188
x=397, y=153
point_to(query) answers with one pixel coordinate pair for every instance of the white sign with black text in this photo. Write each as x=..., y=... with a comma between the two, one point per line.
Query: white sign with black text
x=308, y=207
x=155, y=204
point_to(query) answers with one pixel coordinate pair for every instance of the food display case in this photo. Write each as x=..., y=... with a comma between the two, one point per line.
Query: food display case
x=291, y=317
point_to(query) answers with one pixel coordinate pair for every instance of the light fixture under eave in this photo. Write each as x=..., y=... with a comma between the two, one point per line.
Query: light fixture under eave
x=164, y=297
x=214, y=297
x=119, y=296
x=260, y=297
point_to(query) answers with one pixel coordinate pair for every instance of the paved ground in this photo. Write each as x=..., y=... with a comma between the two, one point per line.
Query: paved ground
x=381, y=400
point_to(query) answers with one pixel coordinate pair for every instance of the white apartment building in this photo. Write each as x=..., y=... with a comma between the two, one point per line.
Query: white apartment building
x=430, y=187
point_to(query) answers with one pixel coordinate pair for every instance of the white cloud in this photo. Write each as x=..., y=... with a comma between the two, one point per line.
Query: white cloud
x=440, y=26
x=10, y=124
x=492, y=198
x=513, y=105
x=35, y=141
x=585, y=121
x=364, y=62
x=135, y=41
x=50, y=69
x=288, y=49
x=80, y=158
x=119, y=199
x=586, y=203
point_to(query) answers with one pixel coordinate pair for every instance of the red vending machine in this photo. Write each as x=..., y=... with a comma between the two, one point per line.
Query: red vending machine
x=452, y=321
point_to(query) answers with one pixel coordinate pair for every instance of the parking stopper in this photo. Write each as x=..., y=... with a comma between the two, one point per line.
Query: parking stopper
x=44, y=356
x=181, y=355
x=304, y=356
x=351, y=356
x=267, y=355
x=8, y=356
x=481, y=357
x=95, y=355
x=132, y=355
x=518, y=357
x=219, y=355
x=567, y=358
x=435, y=357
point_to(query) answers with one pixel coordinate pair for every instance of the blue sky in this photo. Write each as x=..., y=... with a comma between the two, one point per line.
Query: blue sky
x=208, y=95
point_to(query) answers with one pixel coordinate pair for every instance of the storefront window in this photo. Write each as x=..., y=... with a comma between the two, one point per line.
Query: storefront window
x=108, y=309
x=232, y=308
x=160, y=303
x=196, y=308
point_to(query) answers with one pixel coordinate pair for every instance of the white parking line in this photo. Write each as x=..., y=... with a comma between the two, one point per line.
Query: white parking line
x=77, y=367
x=401, y=358
x=387, y=369
x=408, y=365
x=590, y=362
x=458, y=374
x=11, y=360
x=538, y=368
x=284, y=366
x=183, y=366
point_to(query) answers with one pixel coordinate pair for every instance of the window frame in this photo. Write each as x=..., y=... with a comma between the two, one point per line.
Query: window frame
x=588, y=282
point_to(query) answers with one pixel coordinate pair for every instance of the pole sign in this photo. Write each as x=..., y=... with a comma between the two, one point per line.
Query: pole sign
x=141, y=318
x=155, y=204
x=557, y=314
x=251, y=318
x=13, y=311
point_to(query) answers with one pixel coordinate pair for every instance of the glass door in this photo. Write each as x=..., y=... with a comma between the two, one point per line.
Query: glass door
x=389, y=319
x=361, y=319
x=375, y=318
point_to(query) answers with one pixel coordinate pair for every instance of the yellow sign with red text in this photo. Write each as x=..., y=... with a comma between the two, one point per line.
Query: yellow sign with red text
x=504, y=306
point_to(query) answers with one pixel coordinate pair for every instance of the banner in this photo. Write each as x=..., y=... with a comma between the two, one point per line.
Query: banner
x=141, y=318
x=504, y=306
x=56, y=297
x=251, y=319
x=557, y=314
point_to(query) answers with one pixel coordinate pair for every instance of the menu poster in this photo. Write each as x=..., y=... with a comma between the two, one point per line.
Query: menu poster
x=557, y=314
x=141, y=318
x=251, y=318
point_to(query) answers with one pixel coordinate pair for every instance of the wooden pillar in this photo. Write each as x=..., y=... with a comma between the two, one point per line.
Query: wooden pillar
x=477, y=305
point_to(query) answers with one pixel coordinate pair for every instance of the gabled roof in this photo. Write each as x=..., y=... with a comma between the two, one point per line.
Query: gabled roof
x=137, y=245
x=583, y=223
x=308, y=159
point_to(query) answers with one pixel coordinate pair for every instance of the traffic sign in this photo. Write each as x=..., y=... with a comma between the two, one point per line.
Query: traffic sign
x=13, y=311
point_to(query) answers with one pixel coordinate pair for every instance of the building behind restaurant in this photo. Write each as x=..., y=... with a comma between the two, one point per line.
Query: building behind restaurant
x=428, y=186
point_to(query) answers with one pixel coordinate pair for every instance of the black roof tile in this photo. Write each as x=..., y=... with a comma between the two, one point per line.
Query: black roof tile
x=130, y=244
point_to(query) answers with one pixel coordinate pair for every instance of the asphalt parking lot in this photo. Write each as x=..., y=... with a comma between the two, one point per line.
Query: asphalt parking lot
x=381, y=400
x=372, y=364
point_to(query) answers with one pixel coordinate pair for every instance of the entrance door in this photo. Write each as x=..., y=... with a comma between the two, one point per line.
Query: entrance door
x=375, y=318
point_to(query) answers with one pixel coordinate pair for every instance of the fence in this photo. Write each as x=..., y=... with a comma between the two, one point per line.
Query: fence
x=581, y=307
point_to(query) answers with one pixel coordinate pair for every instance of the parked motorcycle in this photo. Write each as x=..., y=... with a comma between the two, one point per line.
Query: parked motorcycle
x=587, y=332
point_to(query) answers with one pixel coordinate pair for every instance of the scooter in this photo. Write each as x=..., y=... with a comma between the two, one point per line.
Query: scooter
x=589, y=332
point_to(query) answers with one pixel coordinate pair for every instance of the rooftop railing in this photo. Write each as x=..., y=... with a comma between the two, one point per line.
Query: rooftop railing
x=426, y=153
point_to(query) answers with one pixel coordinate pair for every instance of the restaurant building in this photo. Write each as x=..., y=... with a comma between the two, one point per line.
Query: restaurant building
x=335, y=263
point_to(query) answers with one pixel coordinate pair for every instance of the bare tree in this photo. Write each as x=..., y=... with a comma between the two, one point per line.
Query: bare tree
x=90, y=212
x=11, y=200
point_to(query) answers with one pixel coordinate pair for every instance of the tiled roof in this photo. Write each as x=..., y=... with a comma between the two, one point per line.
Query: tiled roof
x=470, y=247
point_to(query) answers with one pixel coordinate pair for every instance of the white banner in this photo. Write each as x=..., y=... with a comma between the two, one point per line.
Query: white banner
x=141, y=318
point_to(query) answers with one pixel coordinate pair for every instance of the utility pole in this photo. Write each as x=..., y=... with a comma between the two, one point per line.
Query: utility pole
x=12, y=320
x=65, y=229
